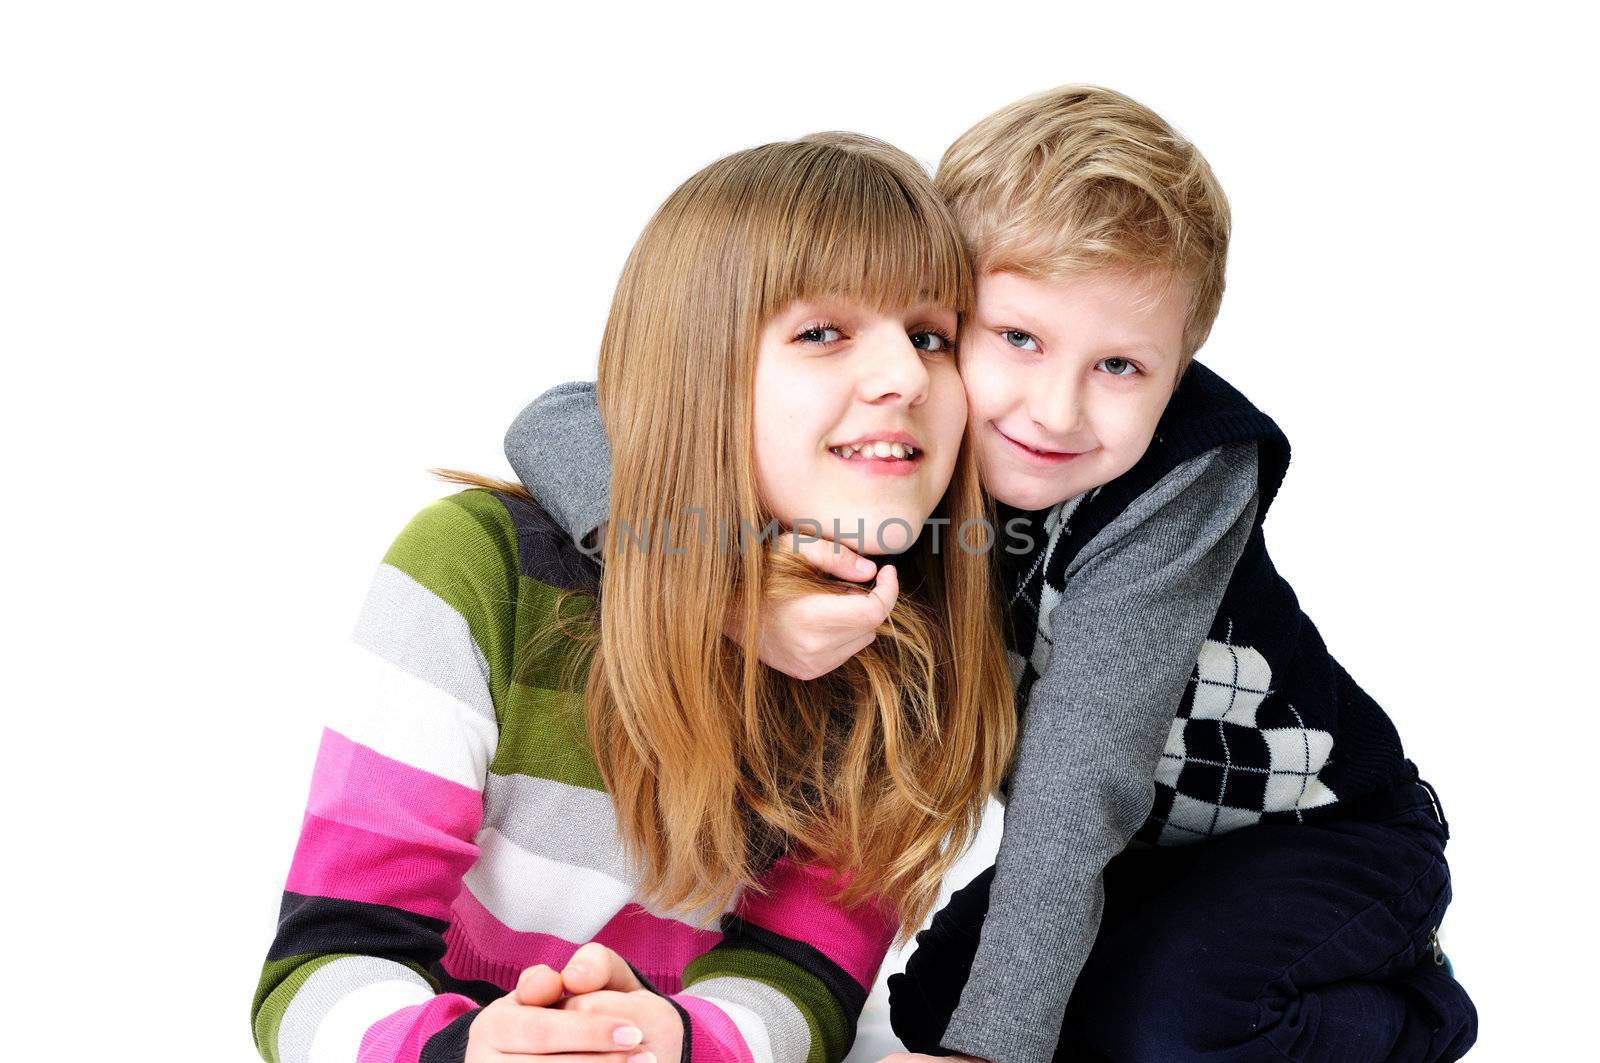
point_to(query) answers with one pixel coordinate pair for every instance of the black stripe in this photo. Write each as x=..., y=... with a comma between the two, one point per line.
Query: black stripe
x=548, y=553
x=480, y=991
x=846, y=990
x=687, y=1055
x=683, y=1016
x=449, y=1045
x=308, y=924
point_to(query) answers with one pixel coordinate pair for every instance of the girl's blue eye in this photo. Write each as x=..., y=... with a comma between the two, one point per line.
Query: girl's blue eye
x=1020, y=340
x=932, y=342
x=1118, y=366
x=821, y=334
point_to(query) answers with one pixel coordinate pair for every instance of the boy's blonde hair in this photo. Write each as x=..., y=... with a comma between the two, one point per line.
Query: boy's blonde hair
x=1083, y=178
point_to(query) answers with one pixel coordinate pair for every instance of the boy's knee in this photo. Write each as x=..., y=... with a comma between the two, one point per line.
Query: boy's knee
x=1170, y=1002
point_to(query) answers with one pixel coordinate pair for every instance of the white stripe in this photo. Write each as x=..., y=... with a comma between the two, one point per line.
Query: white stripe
x=338, y=1039
x=784, y=1024
x=410, y=720
x=531, y=892
x=558, y=821
x=423, y=634
x=528, y=892
x=329, y=984
x=751, y=1028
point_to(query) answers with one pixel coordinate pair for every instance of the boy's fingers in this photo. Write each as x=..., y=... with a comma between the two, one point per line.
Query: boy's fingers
x=538, y=986
x=857, y=646
x=886, y=590
x=836, y=560
x=594, y=967
x=855, y=614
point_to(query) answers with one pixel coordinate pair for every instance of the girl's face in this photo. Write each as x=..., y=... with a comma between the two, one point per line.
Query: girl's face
x=859, y=415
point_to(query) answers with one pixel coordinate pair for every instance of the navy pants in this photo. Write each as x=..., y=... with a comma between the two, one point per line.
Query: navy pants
x=1274, y=942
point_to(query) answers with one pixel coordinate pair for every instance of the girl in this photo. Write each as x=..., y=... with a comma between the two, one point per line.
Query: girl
x=551, y=749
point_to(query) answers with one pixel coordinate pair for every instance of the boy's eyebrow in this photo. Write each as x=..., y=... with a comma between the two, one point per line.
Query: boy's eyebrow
x=1133, y=344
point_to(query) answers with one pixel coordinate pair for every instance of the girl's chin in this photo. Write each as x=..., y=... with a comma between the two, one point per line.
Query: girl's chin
x=872, y=534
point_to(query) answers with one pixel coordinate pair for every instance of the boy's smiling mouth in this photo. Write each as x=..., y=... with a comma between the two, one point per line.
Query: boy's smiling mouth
x=1048, y=457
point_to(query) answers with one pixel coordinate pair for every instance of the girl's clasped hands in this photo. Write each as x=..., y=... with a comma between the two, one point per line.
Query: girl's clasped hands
x=594, y=1010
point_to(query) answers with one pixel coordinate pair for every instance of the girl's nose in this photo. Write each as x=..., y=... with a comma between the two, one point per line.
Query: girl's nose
x=894, y=370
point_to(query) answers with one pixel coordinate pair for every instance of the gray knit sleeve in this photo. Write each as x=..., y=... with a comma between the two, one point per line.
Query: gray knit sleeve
x=1139, y=601
x=559, y=449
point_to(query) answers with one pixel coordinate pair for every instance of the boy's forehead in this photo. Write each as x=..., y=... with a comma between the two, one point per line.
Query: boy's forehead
x=1124, y=308
x=1132, y=294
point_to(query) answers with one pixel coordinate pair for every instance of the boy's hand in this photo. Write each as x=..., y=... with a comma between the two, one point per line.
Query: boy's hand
x=528, y=1022
x=812, y=635
x=601, y=982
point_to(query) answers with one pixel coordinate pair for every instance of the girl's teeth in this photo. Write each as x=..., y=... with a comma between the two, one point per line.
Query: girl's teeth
x=878, y=449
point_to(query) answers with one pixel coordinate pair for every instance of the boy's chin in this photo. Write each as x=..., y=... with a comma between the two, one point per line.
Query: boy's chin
x=1028, y=496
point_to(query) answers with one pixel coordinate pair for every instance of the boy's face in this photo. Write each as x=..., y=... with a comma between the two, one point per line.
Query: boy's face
x=1066, y=379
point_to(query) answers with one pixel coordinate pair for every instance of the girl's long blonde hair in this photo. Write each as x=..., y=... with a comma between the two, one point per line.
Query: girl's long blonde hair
x=717, y=764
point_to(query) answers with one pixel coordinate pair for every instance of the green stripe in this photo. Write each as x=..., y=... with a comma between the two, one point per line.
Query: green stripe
x=282, y=979
x=542, y=734
x=830, y=1030
x=549, y=657
x=542, y=728
x=464, y=549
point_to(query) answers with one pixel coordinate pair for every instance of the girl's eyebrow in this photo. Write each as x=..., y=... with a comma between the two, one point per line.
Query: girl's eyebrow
x=828, y=306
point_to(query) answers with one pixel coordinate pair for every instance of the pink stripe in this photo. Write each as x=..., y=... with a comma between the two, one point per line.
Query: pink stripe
x=713, y=1038
x=381, y=832
x=357, y=786
x=347, y=863
x=483, y=948
x=399, y=1038
x=796, y=906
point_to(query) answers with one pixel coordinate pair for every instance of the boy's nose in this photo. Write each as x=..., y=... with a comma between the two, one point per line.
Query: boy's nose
x=1058, y=410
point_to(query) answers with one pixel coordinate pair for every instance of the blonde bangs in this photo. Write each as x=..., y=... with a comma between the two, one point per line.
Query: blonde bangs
x=1081, y=178
x=858, y=225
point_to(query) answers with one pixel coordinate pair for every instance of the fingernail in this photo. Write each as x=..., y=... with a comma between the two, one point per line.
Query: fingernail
x=627, y=1037
x=577, y=969
x=865, y=567
x=642, y=1057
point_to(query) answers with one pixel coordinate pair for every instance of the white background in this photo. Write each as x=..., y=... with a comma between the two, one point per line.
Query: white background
x=261, y=265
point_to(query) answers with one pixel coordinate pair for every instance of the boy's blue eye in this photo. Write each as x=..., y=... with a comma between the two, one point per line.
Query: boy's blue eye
x=821, y=334
x=932, y=342
x=1020, y=340
x=1119, y=366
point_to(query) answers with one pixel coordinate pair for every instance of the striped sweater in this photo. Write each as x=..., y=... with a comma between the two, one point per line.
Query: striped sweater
x=458, y=832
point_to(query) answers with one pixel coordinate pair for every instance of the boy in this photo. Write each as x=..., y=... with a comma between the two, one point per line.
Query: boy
x=1214, y=846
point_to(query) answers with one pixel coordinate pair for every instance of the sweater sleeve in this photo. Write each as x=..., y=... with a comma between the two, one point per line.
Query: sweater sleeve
x=788, y=980
x=396, y=803
x=560, y=452
x=1138, y=603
